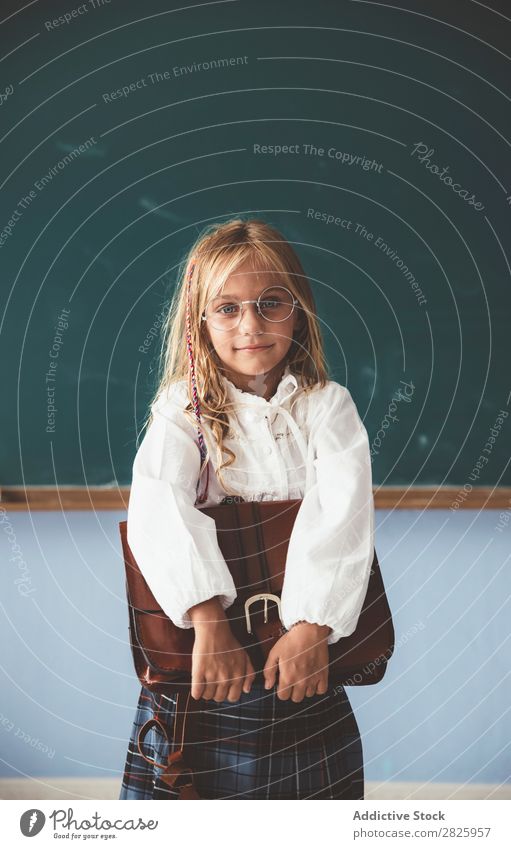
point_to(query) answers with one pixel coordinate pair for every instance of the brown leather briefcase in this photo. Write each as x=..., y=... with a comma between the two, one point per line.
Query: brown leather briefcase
x=253, y=537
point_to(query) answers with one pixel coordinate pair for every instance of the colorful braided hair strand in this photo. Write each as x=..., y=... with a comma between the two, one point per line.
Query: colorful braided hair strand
x=195, y=397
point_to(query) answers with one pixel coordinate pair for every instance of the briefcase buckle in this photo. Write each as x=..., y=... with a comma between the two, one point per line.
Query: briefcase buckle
x=260, y=597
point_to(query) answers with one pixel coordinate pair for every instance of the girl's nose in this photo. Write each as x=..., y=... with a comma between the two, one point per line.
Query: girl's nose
x=250, y=317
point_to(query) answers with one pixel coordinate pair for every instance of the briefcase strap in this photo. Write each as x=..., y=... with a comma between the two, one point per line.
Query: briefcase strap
x=176, y=766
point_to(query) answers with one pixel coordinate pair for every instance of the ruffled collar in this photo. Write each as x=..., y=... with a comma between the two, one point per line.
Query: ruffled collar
x=287, y=386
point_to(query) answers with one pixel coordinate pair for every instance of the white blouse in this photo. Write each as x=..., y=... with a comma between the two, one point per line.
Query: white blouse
x=311, y=446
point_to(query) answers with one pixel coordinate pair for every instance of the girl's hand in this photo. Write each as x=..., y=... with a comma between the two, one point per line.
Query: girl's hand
x=221, y=668
x=301, y=657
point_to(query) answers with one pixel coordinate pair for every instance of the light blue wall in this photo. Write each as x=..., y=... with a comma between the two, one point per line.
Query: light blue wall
x=440, y=714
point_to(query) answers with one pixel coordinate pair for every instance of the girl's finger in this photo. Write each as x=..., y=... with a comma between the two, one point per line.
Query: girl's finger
x=322, y=686
x=284, y=689
x=249, y=677
x=234, y=693
x=209, y=689
x=298, y=693
x=198, y=684
x=221, y=692
x=270, y=670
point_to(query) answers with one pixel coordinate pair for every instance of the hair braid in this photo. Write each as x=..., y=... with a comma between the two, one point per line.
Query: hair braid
x=195, y=397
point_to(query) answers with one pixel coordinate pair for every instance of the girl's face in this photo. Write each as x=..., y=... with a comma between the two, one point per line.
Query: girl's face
x=243, y=363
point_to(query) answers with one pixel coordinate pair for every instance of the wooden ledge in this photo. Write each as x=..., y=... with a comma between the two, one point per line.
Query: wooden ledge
x=64, y=498
x=385, y=498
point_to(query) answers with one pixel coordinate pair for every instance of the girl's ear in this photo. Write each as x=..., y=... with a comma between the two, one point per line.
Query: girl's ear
x=205, y=331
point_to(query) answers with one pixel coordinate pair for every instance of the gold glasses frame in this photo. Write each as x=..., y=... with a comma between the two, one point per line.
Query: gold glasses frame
x=295, y=302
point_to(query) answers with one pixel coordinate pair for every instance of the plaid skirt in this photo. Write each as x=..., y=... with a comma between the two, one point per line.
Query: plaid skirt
x=259, y=747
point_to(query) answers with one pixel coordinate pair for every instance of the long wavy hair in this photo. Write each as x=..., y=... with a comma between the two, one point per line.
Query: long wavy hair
x=216, y=254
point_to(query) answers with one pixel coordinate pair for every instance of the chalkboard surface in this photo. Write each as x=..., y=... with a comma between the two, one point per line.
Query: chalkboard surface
x=374, y=136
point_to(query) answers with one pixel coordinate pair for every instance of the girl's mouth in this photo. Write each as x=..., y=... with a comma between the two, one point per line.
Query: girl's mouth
x=250, y=348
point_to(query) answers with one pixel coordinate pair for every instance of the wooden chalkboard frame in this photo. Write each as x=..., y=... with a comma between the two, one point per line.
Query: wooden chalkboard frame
x=385, y=498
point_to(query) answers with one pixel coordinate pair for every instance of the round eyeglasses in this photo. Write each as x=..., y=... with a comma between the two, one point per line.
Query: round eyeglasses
x=276, y=303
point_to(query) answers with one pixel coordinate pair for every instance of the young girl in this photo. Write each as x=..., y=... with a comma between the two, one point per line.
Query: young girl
x=243, y=346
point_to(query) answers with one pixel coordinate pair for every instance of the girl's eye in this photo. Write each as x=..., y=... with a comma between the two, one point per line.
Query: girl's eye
x=228, y=309
x=270, y=304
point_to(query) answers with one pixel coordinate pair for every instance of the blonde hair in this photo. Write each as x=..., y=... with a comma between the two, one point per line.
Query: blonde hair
x=216, y=254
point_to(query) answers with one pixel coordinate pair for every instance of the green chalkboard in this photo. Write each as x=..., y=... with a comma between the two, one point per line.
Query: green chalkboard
x=374, y=136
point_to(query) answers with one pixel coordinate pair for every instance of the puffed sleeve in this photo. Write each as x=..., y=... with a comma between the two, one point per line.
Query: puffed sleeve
x=174, y=543
x=331, y=546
